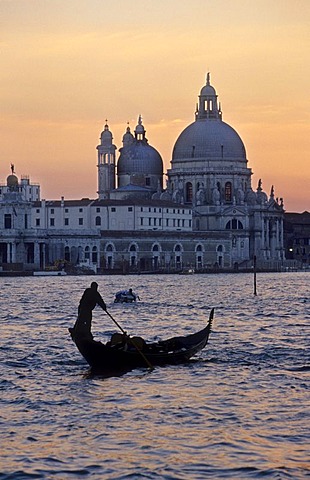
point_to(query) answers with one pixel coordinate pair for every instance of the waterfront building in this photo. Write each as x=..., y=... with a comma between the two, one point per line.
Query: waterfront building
x=207, y=216
x=297, y=238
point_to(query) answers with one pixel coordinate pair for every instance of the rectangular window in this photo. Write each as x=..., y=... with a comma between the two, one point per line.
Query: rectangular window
x=167, y=222
x=141, y=209
x=66, y=210
x=141, y=221
x=159, y=221
x=113, y=209
x=52, y=222
x=52, y=210
x=150, y=221
x=80, y=221
x=147, y=181
x=37, y=210
x=129, y=209
x=81, y=210
x=7, y=220
x=37, y=222
x=66, y=221
x=98, y=209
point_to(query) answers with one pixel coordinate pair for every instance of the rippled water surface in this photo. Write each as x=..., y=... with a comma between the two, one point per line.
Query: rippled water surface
x=239, y=410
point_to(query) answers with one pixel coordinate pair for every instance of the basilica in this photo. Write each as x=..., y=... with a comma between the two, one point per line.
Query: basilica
x=207, y=215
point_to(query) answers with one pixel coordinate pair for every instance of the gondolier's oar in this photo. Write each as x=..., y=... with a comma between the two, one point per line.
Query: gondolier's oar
x=148, y=363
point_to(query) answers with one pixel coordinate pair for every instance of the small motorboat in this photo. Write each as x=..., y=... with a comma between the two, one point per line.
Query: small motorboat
x=124, y=353
x=126, y=296
x=187, y=271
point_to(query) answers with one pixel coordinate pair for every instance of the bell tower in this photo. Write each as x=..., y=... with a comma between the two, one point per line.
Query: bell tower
x=106, y=164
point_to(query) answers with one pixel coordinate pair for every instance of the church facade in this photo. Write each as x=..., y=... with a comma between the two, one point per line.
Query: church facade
x=207, y=216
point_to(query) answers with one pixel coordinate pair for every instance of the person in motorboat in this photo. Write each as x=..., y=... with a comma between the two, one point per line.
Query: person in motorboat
x=125, y=296
x=90, y=298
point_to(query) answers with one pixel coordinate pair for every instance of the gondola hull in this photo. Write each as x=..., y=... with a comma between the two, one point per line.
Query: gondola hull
x=105, y=358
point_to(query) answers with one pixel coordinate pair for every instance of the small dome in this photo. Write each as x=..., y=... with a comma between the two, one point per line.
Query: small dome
x=139, y=157
x=106, y=136
x=12, y=181
x=207, y=90
x=128, y=137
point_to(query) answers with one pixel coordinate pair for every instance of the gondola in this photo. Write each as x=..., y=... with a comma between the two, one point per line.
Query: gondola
x=123, y=353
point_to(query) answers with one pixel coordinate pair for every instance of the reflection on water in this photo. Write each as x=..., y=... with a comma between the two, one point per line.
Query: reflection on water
x=238, y=410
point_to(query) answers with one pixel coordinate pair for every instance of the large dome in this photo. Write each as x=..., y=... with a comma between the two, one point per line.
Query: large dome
x=210, y=139
x=139, y=158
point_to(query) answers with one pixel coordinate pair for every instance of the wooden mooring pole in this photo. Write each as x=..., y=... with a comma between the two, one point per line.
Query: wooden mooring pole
x=254, y=270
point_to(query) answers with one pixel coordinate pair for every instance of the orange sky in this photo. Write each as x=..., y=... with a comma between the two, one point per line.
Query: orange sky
x=67, y=65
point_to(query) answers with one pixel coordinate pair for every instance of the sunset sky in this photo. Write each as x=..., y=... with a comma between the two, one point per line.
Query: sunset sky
x=67, y=65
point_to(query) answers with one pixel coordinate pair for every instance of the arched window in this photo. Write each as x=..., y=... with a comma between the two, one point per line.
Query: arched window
x=87, y=253
x=234, y=224
x=189, y=192
x=178, y=255
x=156, y=256
x=67, y=254
x=228, y=192
x=220, y=253
x=199, y=256
x=94, y=255
x=133, y=248
x=110, y=255
x=98, y=221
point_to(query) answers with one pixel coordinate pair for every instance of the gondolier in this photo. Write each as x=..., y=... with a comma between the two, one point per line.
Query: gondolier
x=90, y=298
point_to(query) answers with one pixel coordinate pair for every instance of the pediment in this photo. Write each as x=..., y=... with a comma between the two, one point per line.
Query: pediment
x=233, y=210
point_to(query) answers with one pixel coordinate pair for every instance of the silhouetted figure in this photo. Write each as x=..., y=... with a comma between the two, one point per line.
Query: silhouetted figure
x=90, y=298
x=126, y=296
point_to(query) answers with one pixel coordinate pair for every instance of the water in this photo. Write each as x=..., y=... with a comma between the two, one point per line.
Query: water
x=239, y=410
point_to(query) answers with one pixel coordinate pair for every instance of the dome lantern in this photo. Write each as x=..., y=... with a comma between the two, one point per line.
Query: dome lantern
x=208, y=107
x=140, y=130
